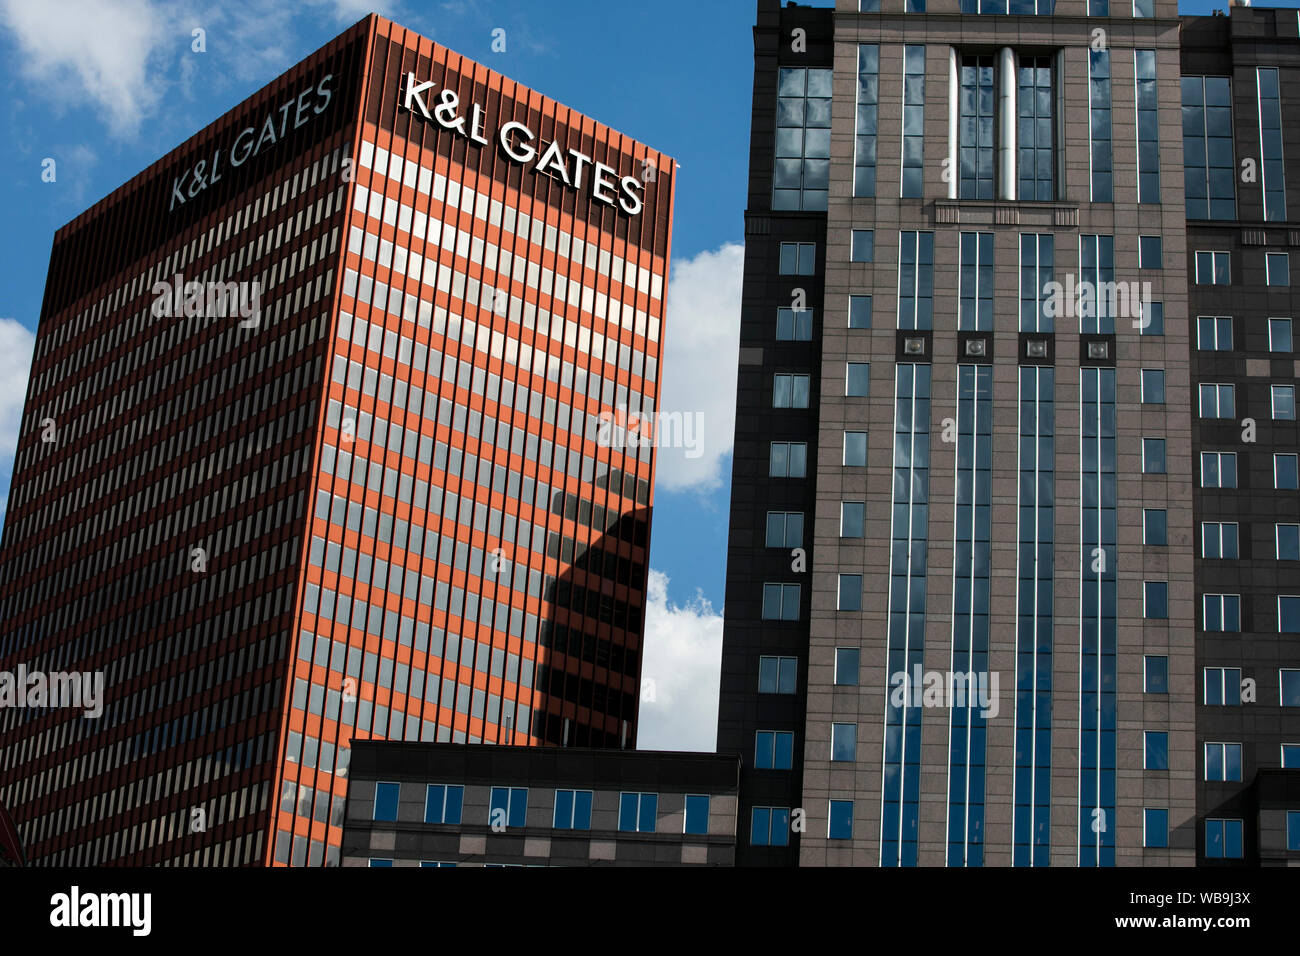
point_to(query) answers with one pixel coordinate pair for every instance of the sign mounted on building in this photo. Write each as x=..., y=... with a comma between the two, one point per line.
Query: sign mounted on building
x=575, y=169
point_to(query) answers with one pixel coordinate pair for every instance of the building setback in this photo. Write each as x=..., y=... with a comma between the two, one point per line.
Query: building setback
x=371, y=499
x=412, y=804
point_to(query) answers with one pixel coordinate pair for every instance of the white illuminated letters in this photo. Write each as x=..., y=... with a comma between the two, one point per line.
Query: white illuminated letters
x=519, y=144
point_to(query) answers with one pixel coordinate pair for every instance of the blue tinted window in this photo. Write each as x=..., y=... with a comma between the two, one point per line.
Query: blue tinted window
x=1291, y=756
x=1150, y=252
x=863, y=246
x=913, y=118
x=386, y=795
x=841, y=820
x=864, y=154
x=442, y=804
x=697, y=813
x=1290, y=681
x=1223, y=839
x=1156, y=674
x=844, y=742
x=637, y=812
x=770, y=826
x=1157, y=750
x=1099, y=125
x=1288, y=614
x=1293, y=829
x=1155, y=600
x=1155, y=827
x=1209, y=168
x=1148, y=129
x=1034, y=103
x=975, y=121
x=375, y=862
x=508, y=805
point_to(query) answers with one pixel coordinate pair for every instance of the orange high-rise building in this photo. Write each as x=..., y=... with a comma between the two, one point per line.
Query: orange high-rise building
x=325, y=439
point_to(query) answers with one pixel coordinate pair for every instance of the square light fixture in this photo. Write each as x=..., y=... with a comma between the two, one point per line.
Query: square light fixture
x=977, y=347
x=914, y=346
x=1036, y=348
x=1098, y=350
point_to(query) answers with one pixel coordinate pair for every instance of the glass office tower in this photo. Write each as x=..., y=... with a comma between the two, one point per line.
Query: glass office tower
x=315, y=449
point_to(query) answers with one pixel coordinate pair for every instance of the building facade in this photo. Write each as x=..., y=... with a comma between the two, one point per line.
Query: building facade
x=412, y=804
x=1241, y=78
x=321, y=443
x=961, y=622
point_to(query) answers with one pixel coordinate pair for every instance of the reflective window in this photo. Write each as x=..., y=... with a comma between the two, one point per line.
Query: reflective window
x=975, y=128
x=798, y=258
x=803, y=139
x=790, y=391
x=857, y=378
x=1036, y=271
x=1288, y=614
x=1286, y=473
x=1221, y=612
x=840, y=822
x=386, y=796
x=913, y=120
x=975, y=312
x=1096, y=274
x=846, y=666
x=1150, y=252
x=1272, y=170
x=1213, y=268
x=863, y=245
x=442, y=803
x=508, y=805
x=1277, y=268
x=637, y=812
x=1036, y=162
x=784, y=529
x=770, y=826
x=777, y=675
x=780, y=602
x=1153, y=456
x=1155, y=750
x=1155, y=600
x=787, y=459
x=844, y=742
x=794, y=325
x=1209, y=168
x=697, y=814
x=1155, y=527
x=1218, y=469
x=1222, y=762
x=1217, y=401
x=850, y=593
x=859, y=311
x=1153, y=386
x=1155, y=674
x=1221, y=687
x=1099, y=126
x=1283, y=402
x=852, y=516
x=1288, y=542
x=1148, y=129
x=1279, y=335
x=1155, y=827
x=773, y=750
x=572, y=810
x=1214, y=332
x=1223, y=839
x=855, y=449
x=864, y=148
x=916, y=280
x=1290, y=689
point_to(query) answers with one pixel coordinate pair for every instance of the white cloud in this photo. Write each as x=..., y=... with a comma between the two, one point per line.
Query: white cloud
x=104, y=51
x=702, y=346
x=681, y=664
x=16, y=344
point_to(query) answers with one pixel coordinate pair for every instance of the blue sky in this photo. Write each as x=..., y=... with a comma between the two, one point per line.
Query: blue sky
x=105, y=87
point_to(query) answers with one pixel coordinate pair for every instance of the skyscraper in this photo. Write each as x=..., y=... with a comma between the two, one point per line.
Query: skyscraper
x=961, y=610
x=317, y=446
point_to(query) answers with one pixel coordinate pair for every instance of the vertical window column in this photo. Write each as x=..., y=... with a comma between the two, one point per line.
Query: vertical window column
x=1209, y=172
x=975, y=121
x=1096, y=277
x=1097, y=618
x=1036, y=270
x=1100, y=167
x=1036, y=133
x=1272, y=170
x=864, y=149
x=801, y=178
x=913, y=175
x=975, y=311
x=1032, y=822
x=1148, y=127
x=916, y=280
x=970, y=616
x=900, y=798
